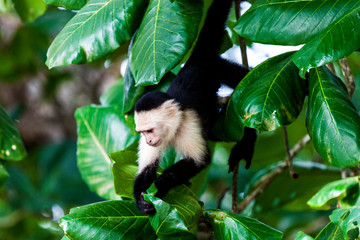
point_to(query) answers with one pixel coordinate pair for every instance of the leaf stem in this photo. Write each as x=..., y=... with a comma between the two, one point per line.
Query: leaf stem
x=348, y=76
x=288, y=159
x=265, y=181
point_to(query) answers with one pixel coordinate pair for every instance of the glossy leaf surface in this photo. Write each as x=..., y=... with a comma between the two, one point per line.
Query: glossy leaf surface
x=271, y=95
x=95, y=31
x=68, y=4
x=339, y=40
x=332, y=191
x=330, y=232
x=165, y=35
x=177, y=215
x=107, y=220
x=11, y=144
x=234, y=226
x=303, y=236
x=332, y=121
x=286, y=22
x=348, y=221
x=101, y=130
x=29, y=10
x=124, y=171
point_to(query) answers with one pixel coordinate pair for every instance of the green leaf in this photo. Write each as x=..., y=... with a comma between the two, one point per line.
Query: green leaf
x=271, y=95
x=3, y=175
x=339, y=40
x=165, y=35
x=11, y=145
x=332, y=191
x=124, y=171
x=332, y=121
x=349, y=222
x=290, y=22
x=96, y=30
x=177, y=215
x=101, y=130
x=303, y=236
x=29, y=10
x=330, y=232
x=107, y=220
x=232, y=226
x=68, y=4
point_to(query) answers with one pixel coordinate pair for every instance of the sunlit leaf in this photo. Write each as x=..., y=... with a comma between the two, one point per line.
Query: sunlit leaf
x=332, y=121
x=177, y=215
x=330, y=232
x=101, y=130
x=124, y=171
x=68, y=4
x=336, y=190
x=29, y=10
x=96, y=30
x=271, y=95
x=232, y=226
x=114, y=94
x=349, y=222
x=11, y=145
x=339, y=40
x=107, y=220
x=303, y=236
x=165, y=35
x=286, y=22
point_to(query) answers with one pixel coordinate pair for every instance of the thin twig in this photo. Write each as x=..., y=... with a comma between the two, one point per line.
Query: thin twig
x=268, y=178
x=241, y=39
x=348, y=76
x=288, y=159
x=235, y=177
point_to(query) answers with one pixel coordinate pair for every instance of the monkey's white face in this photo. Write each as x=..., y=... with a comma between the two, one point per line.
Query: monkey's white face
x=159, y=125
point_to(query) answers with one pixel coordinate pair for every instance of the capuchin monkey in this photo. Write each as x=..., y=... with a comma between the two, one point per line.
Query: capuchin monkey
x=184, y=115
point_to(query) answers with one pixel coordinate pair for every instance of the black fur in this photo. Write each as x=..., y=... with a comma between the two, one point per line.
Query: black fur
x=195, y=87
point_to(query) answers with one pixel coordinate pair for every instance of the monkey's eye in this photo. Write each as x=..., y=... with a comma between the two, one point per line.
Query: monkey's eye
x=149, y=131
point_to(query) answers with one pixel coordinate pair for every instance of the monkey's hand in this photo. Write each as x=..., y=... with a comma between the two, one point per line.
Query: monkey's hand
x=144, y=206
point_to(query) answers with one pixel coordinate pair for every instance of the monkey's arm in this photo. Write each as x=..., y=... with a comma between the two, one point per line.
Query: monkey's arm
x=148, y=161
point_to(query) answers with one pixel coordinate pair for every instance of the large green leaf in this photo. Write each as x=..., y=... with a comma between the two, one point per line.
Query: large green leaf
x=165, y=35
x=271, y=95
x=114, y=94
x=348, y=221
x=96, y=30
x=330, y=232
x=68, y=4
x=177, y=215
x=107, y=220
x=286, y=22
x=303, y=236
x=101, y=130
x=339, y=40
x=332, y=191
x=332, y=121
x=29, y=10
x=124, y=171
x=233, y=226
x=11, y=145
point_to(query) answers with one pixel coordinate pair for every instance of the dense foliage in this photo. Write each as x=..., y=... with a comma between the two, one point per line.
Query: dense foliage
x=276, y=93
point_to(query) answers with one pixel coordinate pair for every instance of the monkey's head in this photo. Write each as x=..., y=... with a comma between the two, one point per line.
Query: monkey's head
x=157, y=118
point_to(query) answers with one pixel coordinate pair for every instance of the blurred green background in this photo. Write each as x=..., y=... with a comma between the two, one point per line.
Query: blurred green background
x=46, y=184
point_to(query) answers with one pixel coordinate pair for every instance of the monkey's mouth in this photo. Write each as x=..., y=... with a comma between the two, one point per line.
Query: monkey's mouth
x=155, y=144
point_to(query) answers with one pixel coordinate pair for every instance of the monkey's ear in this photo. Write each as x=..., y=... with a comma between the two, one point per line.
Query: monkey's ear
x=171, y=108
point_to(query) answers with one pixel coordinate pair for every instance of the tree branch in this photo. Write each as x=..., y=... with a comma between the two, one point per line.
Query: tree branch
x=288, y=158
x=348, y=76
x=262, y=184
